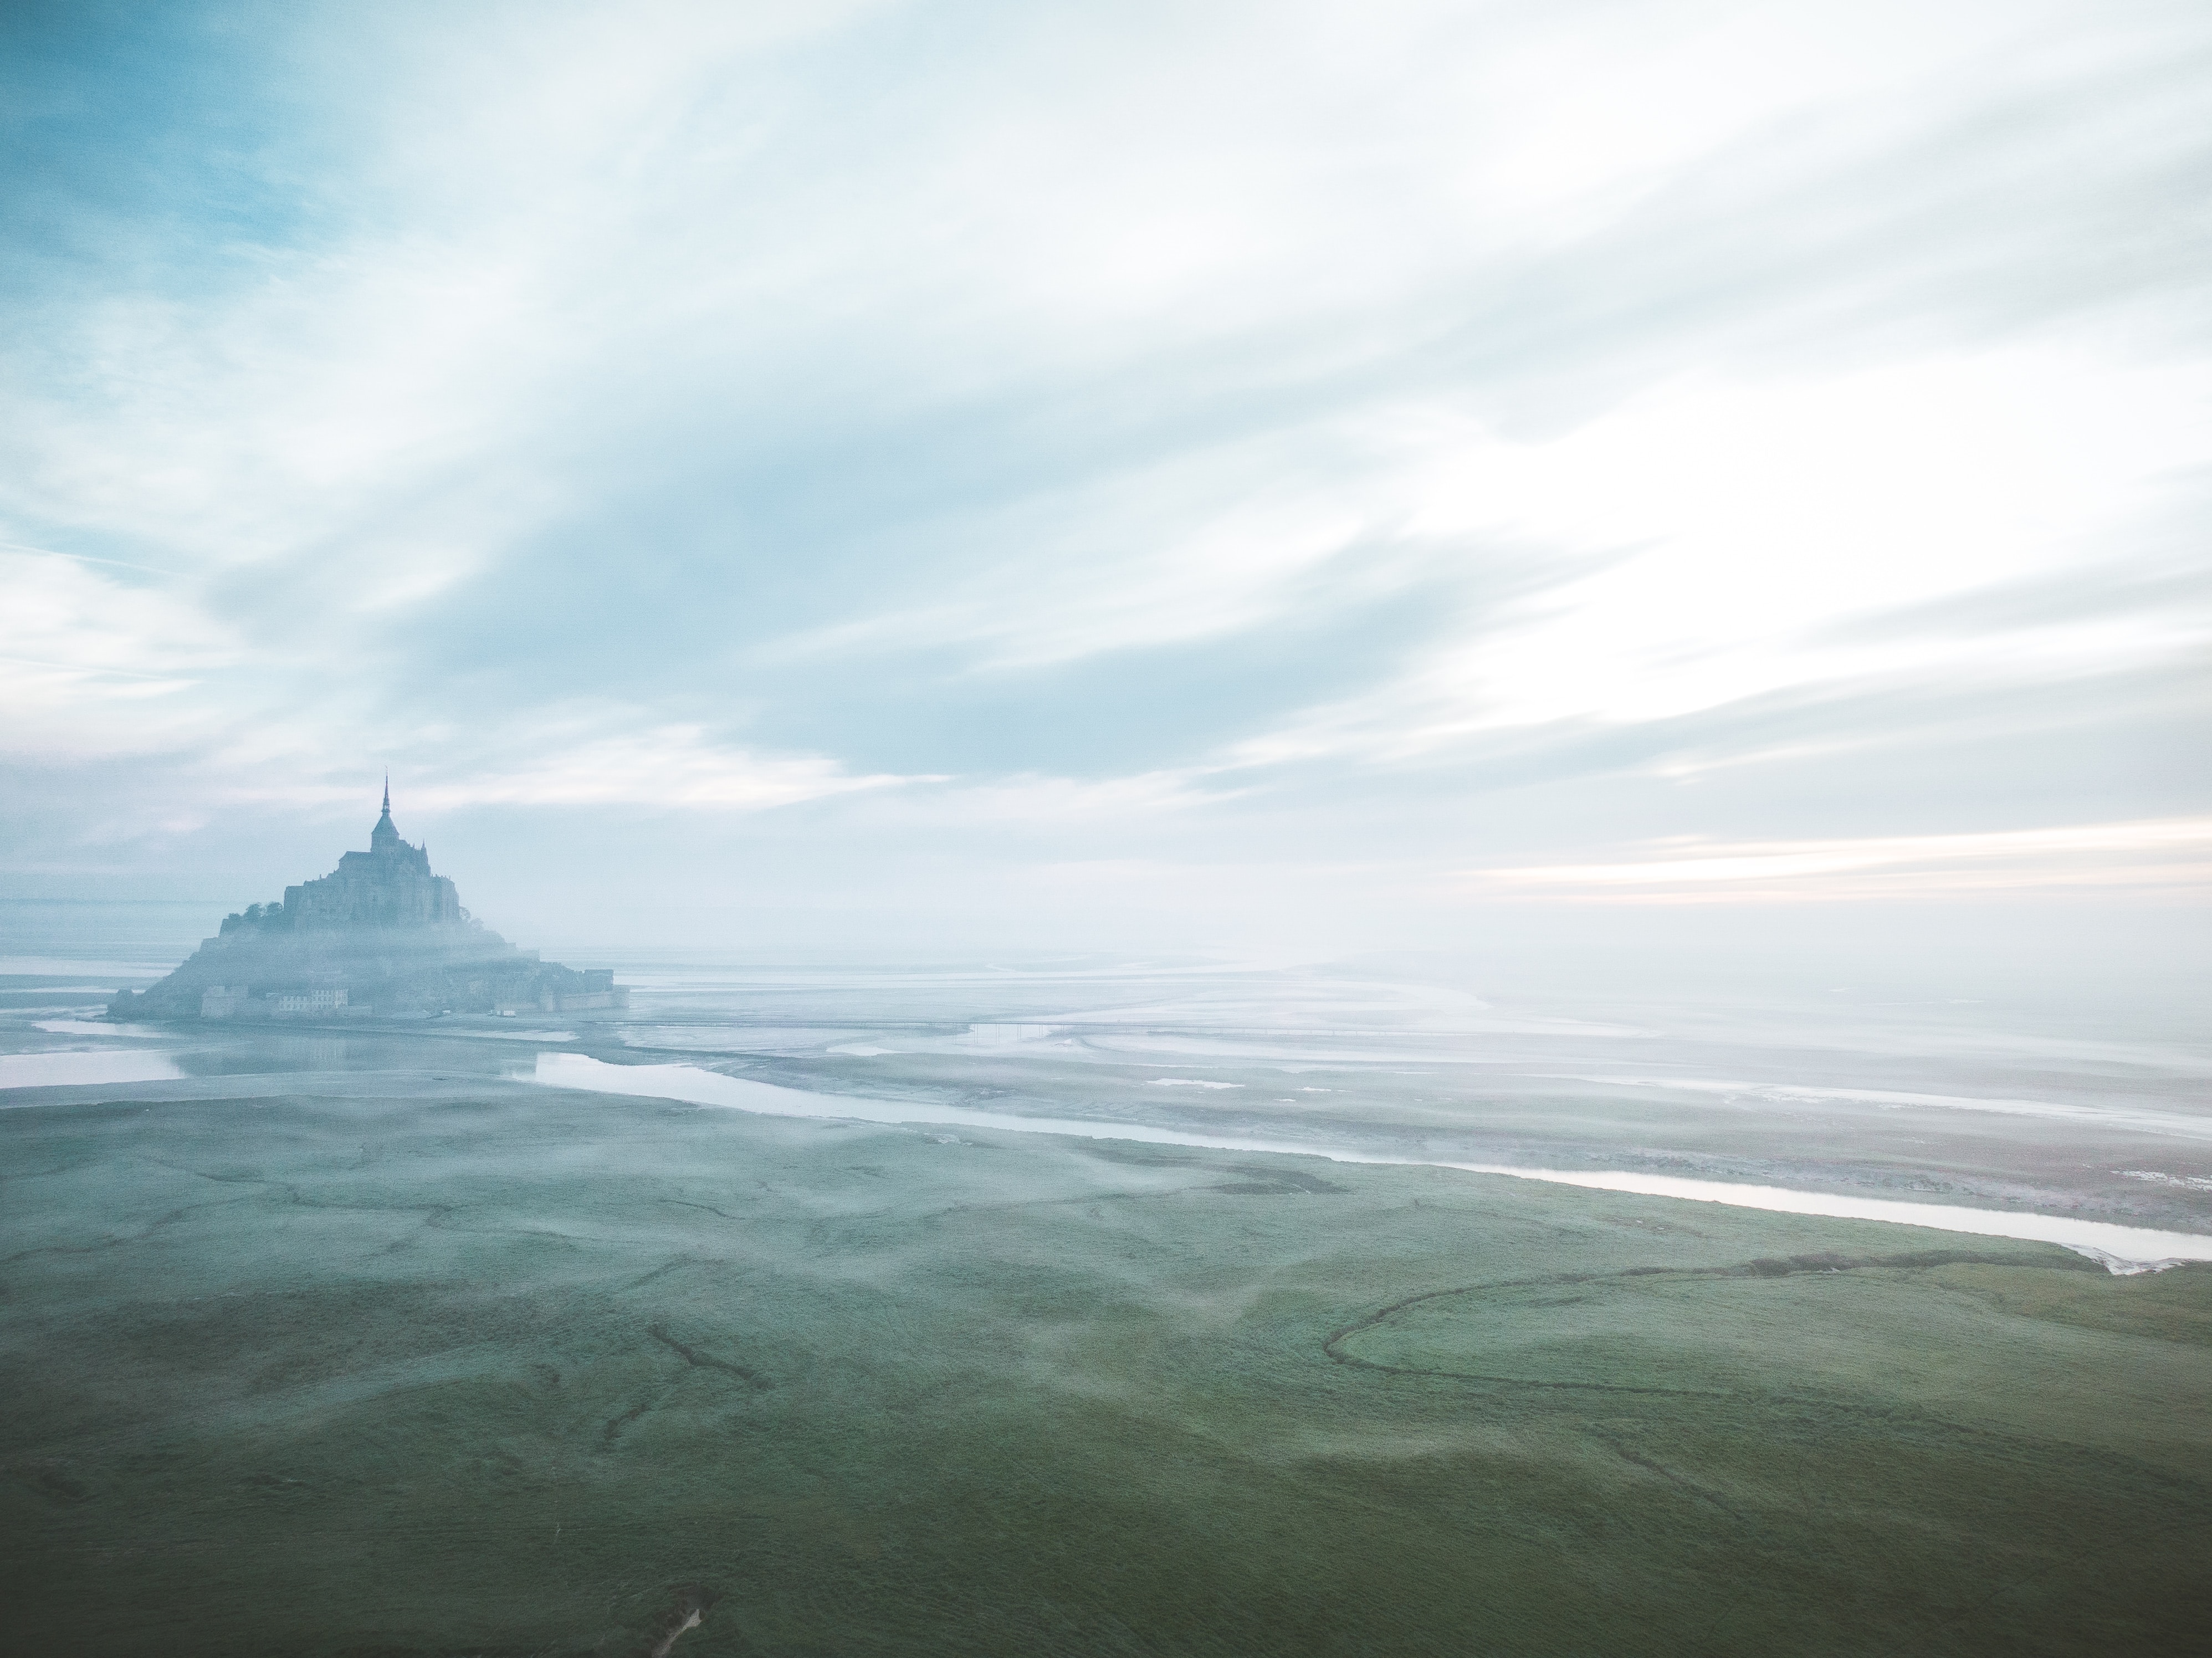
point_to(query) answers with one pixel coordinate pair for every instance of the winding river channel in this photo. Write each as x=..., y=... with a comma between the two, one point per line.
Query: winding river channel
x=2121, y=1249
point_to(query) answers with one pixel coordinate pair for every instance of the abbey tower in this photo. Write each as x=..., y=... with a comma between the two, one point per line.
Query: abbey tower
x=388, y=886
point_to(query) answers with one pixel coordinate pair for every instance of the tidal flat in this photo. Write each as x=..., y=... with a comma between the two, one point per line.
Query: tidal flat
x=413, y=1366
x=382, y=1340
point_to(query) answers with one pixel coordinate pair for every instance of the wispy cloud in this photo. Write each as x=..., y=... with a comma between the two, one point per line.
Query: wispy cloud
x=674, y=765
x=1309, y=429
x=2170, y=853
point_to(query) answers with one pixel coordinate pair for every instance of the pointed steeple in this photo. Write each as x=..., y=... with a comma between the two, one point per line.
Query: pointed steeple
x=384, y=834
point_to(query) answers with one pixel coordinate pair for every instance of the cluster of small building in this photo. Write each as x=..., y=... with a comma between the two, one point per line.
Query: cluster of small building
x=239, y=1002
x=597, y=990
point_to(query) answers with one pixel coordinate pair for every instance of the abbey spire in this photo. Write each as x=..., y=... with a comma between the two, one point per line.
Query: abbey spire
x=384, y=835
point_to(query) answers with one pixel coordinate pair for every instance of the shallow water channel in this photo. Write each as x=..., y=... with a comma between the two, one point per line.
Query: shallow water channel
x=2121, y=1249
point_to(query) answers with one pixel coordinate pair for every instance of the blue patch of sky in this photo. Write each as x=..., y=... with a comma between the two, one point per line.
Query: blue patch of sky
x=152, y=145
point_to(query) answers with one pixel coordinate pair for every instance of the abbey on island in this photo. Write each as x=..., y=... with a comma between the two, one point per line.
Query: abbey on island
x=388, y=886
x=380, y=935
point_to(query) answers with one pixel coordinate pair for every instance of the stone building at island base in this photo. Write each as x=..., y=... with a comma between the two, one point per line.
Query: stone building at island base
x=381, y=936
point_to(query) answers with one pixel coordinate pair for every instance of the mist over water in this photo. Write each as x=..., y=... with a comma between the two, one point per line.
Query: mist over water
x=1883, y=1098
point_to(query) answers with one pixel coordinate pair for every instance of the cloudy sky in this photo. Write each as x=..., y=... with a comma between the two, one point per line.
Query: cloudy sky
x=1133, y=476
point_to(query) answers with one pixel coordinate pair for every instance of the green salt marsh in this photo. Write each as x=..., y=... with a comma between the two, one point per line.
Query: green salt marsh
x=484, y=1367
